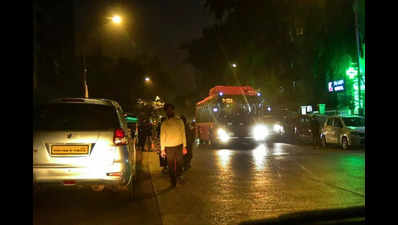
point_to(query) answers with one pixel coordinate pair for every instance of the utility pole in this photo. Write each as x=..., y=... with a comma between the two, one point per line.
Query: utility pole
x=35, y=53
x=85, y=77
x=358, y=56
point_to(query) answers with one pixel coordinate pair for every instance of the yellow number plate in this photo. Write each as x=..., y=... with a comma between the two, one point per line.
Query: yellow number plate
x=63, y=150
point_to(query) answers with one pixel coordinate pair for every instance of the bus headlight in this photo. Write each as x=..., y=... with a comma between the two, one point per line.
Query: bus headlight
x=223, y=135
x=260, y=132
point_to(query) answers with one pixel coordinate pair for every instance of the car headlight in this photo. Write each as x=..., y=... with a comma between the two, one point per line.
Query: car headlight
x=278, y=128
x=223, y=135
x=260, y=132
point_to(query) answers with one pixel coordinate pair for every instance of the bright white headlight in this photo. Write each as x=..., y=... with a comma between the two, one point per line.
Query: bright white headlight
x=260, y=132
x=223, y=135
x=278, y=128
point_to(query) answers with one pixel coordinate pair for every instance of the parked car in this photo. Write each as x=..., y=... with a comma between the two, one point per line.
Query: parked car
x=302, y=129
x=84, y=142
x=345, y=131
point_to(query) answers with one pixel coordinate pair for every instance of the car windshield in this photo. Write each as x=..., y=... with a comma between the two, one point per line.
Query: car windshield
x=76, y=117
x=354, y=121
x=218, y=100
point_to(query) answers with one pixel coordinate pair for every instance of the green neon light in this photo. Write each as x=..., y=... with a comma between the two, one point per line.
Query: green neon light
x=131, y=119
x=322, y=109
x=351, y=72
x=355, y=87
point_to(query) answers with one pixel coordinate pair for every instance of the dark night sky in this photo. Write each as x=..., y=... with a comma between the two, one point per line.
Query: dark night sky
x=162, y=26
x=167, y=24
x=156, y=27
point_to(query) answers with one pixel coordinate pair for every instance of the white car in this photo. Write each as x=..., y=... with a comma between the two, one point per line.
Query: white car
x=84, y=142
x=345, y=131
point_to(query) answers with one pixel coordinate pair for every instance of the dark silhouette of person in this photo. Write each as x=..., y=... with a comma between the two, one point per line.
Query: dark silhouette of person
x=190, y=136
x=316, y=132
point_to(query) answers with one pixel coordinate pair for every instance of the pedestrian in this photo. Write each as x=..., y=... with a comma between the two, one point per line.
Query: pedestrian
x=141, y=135
x=315, y=130
x=173, y=144
x=190, y=136
x=148, y=135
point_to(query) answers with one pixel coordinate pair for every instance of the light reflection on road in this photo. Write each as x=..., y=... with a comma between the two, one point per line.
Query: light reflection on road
x=259, y=155
x=224, y=157
x=278, y=149
x=262, y=151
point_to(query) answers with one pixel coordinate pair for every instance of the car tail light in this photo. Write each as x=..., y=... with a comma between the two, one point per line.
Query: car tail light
x=69, y=182
x=119, y=137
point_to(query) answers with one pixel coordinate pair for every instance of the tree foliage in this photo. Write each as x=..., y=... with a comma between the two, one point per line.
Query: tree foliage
x=276, y=45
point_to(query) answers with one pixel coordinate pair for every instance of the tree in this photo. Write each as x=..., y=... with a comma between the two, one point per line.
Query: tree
x=276, y=44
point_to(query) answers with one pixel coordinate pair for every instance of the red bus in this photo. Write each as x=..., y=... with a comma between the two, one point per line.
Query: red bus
x=230, y=113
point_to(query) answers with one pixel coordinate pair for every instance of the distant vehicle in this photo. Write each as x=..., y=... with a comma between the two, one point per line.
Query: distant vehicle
x=84, y=142
x=231, y=114
x=302, y=126
x=132, y=122
x=345, y=131
x=275, y=127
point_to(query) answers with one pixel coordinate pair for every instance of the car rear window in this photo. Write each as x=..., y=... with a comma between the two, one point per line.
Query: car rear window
x=64, y=116
x=354, y=121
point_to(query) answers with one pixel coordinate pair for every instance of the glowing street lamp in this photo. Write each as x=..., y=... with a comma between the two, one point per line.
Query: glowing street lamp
x=234, y=65
x=116, y=19
x=147, y=79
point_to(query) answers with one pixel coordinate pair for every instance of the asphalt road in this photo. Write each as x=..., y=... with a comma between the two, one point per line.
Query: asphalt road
x=73, y=206
x=224, y=186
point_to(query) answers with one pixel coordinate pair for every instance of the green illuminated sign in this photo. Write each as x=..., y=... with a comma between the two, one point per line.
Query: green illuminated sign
x=131, y=119
x=322, y=108
x=336, y=86
x=351, y=72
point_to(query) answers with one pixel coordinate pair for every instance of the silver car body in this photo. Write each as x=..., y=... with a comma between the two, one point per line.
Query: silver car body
x=95, y=159
x=334, y=129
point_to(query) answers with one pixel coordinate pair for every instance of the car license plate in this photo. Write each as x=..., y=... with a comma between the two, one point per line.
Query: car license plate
x=69, y=150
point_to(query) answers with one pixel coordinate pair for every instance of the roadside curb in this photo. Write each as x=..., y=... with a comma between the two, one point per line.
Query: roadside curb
x=148, y=163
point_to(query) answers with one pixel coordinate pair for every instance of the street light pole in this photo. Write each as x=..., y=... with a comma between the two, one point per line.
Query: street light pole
x=115, y=19
x=83, y=54
x=85, y=78
x=35, y=48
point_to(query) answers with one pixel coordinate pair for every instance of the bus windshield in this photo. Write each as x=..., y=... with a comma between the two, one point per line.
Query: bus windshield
x=239, y=108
